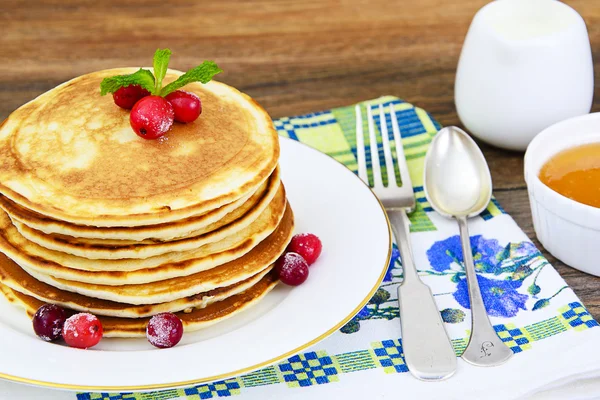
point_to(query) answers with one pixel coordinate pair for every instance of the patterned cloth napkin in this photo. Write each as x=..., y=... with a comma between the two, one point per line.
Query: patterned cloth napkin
x=555, y=340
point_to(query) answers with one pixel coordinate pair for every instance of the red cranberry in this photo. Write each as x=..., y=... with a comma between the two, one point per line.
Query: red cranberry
x=292, y=269
x=126, y=97
x=187, y=106
x=164, y=330
x=151, y=117
x=82, y=330
x=307, y=245
x=48, y=322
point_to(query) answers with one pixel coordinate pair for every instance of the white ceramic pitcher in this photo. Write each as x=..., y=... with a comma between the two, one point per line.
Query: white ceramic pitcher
x=525, y=65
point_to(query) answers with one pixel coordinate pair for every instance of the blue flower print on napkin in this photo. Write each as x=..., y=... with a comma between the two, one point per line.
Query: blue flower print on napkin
x=446, y=252
x=500, y=296
x=507, y=275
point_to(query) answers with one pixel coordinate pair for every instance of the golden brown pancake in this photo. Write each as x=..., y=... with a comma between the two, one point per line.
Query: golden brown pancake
x=199, y=318
x=191, y=226
x=100, y=220
x=97, y=249
x=40, y=260
x=17, y=279
x=255, y=261
x=71, y=155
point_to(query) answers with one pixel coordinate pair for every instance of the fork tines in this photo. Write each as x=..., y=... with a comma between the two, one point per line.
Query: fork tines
x=375, y=162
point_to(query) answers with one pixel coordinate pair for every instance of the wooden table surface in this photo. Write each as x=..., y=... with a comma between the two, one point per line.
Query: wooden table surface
x=291, y=56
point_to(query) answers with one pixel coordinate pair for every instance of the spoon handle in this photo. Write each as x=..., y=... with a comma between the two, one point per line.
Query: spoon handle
x=485, y=348
x=428, y=352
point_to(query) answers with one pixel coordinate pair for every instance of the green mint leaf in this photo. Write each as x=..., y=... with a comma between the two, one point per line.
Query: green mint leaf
x=142, y=77
x=161, y=63
x=202, y=73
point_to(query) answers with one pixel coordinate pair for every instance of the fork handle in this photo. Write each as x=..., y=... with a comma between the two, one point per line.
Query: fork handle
x=428, y=352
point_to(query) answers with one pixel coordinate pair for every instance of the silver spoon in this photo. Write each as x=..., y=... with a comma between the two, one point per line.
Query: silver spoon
x=458, y=184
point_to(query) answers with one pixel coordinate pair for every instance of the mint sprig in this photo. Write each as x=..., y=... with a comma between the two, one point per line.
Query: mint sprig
x=202, y=73
x=153, y=82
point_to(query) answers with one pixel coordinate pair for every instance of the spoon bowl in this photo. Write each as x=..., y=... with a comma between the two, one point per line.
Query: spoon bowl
x=457, y=178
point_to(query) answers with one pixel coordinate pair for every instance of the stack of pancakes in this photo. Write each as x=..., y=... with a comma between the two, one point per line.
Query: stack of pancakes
x=96, y=219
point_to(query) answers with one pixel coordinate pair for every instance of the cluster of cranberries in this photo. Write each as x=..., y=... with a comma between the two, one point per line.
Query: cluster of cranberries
x=303, y=251
x=84, y=330
x=81, y=330
x=152, y=116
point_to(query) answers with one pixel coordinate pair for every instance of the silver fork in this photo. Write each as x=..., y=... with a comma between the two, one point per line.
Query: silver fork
x=428, y=352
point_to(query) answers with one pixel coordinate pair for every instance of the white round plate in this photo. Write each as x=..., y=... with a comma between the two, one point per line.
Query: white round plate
x=328, y=200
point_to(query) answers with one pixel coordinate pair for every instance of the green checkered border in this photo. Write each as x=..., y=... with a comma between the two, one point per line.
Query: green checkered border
x=319, y=368
x=334, y=133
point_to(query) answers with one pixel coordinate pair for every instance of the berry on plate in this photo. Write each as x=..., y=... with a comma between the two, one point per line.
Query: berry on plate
x=151, y=117
x=307, y=245
x=164, y=330
x=127, y=96
x=82, y=330
x=48, y=322
x=187, y=106
x=292, y=269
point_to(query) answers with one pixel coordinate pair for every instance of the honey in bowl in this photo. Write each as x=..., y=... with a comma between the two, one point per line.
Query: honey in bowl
x=575, y=173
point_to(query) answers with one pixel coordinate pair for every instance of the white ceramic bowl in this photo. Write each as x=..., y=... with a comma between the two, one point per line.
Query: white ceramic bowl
x=569, y=230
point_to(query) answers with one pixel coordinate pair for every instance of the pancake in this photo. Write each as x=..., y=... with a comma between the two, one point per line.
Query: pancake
x=199, y=318
x=255, y=261
x=191, y=226
x=116, y=249
x=70, y=154
x=17, y=279
x=33, y=257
